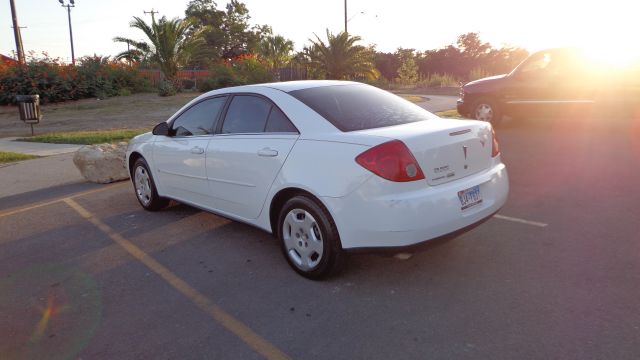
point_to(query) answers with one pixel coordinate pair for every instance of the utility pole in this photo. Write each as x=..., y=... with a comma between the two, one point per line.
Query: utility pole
x=153, y=13
x=345, y=16
x=69, y=6
x=16, y=33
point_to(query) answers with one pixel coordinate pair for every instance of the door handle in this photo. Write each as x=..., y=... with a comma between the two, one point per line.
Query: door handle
x=197, y=150
x=268, y=152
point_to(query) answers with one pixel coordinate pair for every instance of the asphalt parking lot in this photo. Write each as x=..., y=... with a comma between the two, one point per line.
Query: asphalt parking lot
x=86, y=273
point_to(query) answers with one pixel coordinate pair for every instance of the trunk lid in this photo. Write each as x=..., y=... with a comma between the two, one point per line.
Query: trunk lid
x=446, y=150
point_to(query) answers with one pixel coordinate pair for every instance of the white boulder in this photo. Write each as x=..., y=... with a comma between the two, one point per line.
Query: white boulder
x=103, y=163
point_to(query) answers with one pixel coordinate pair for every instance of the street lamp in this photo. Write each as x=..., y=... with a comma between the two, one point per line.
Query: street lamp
x=69, y=6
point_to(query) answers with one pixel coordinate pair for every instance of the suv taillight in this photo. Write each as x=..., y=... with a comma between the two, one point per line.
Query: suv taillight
x=495, y=147
x=392, y=161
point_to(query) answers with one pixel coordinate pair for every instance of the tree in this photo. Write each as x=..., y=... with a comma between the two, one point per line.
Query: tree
x=470, y=54
x=388, y=64
x=275, y=51
x=172, y=43
x=227, y=32
x=138, y=51
x=471, y=45
x=408, y=72
x=340, y=58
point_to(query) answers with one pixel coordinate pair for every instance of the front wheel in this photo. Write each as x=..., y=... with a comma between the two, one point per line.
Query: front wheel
x=145, y=187
x=487, y=110
x=309, y=239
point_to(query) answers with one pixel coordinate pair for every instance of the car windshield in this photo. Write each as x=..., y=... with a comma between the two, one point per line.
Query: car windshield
x=360, y=107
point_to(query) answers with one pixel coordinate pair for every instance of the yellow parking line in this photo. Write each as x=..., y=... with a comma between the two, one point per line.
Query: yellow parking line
x=255, y=341
x=21, y=209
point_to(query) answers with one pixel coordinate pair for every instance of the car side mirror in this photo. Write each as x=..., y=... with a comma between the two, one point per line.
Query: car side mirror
x=161, y=129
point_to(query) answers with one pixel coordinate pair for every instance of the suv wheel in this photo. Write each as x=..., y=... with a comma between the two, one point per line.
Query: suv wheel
x=486, y=110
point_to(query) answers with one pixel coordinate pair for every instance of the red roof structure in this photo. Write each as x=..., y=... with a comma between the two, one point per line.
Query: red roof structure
x=8, y=60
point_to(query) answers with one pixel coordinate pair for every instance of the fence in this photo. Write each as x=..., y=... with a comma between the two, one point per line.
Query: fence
x=155, y=76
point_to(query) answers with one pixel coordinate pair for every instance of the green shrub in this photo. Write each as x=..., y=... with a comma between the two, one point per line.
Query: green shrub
x=251, y=71
x=167, y=88
x=438, y=80
x=124, y=92
x=242, y=71
x=187, y=84
x=478, y=73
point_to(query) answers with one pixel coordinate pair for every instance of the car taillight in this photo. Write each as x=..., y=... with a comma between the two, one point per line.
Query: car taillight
x=392, y=161
x=495, y=147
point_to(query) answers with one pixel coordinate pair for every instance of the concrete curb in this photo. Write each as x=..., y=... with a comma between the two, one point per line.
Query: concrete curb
x=34, y=148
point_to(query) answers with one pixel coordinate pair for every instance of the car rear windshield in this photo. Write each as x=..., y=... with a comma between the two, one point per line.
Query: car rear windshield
x=360, y=107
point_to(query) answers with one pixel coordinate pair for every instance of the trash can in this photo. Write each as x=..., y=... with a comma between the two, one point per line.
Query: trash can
x=29, y=108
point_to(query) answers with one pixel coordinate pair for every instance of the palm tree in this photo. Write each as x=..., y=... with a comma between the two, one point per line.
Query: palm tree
x=138, y=51
x=275, y=51
x=172, y=43
x=340, y=58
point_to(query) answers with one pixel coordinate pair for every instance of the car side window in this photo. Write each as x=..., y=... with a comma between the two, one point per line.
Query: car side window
x=537, y=64
x=246, y=114
x=200, y=119
x=278, y=122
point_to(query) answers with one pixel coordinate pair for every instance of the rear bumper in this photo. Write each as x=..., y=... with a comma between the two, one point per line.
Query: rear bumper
x=383, y=214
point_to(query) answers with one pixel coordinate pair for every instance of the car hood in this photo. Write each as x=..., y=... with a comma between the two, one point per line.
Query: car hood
x=486, y=80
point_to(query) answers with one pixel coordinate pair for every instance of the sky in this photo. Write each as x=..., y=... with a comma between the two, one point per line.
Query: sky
x=600, y=25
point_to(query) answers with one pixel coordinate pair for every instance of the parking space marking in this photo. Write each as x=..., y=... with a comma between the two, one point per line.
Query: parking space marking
x=521, y=221
x=21, y=209
x=248, y=336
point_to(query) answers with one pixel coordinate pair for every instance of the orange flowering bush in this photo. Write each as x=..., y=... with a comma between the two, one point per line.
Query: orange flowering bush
x=54, y=81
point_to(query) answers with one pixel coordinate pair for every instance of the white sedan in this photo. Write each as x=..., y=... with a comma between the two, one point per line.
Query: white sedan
x=325, y=166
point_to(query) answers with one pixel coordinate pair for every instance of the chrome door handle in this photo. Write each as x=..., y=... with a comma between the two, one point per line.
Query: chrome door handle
x=197, y=150
x=268, y=152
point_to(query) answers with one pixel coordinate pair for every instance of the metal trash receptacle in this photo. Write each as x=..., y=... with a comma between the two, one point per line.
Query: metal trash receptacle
x=29, y=108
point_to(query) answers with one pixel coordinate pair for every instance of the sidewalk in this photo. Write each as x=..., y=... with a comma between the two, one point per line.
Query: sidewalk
x=34, y=148
x=55, y=168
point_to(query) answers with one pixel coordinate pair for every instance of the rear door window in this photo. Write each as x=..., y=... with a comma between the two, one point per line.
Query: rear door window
x=360, y=107
x=249, y=114
x=246, y=115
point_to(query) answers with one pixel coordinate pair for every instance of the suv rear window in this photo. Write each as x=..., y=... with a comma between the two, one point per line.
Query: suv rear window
x=360, y=107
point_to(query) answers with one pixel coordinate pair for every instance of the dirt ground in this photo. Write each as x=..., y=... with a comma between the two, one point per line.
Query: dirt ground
x=135, y=111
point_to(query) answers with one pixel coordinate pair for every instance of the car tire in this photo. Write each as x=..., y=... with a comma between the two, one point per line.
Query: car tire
x=309, y=239
x=486, y=109
x=145, y=187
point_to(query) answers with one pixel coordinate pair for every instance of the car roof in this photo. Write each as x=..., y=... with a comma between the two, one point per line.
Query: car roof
x=288, y=86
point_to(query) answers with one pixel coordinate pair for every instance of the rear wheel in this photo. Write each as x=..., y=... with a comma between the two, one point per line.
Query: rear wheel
x=485, y=109
x=309, y=239
x=145, y=187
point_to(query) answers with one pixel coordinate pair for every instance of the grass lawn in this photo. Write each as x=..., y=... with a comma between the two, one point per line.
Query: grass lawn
x=138, y=111
x=413, y=98
x=7, y=157
x=450, y=114
x=87, y=137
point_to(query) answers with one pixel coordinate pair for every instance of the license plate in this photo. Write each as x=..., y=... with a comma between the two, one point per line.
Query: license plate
x=470, y=197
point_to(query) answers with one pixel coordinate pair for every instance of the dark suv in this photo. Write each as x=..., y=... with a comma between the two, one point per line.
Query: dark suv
x=547, y=81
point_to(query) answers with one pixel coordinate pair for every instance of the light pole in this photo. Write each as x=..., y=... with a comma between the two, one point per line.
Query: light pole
x=345, y=16
x=69, y=6
x=16, y=33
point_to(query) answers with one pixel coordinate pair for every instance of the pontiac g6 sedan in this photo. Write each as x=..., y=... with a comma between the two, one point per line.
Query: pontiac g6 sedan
x=325, y=166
